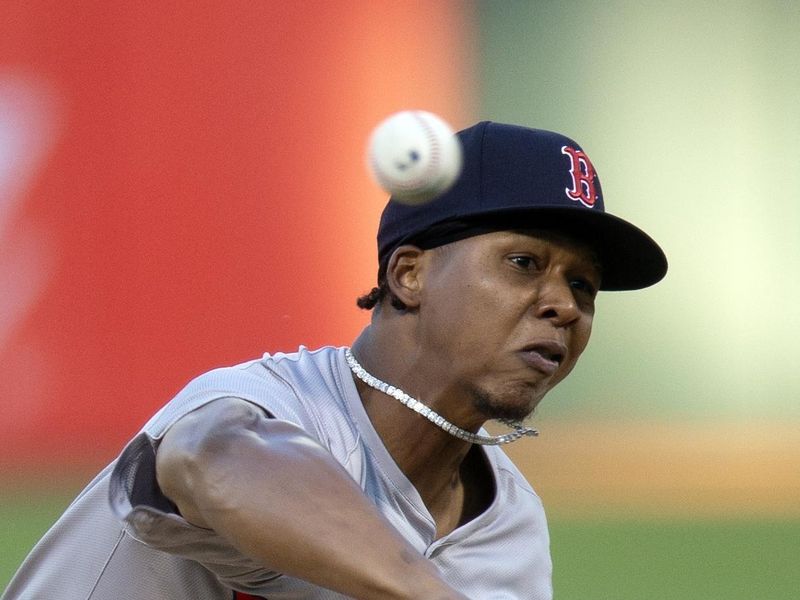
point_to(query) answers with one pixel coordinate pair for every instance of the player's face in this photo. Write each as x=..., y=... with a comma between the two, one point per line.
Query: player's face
x=507, y=315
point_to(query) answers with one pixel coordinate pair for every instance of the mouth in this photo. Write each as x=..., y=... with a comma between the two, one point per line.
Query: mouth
x=544, y=356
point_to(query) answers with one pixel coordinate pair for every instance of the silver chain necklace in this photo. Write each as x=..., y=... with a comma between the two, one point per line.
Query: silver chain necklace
x=434, y=417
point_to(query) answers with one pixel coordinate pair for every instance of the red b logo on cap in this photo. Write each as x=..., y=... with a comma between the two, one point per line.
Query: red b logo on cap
x=583, y=177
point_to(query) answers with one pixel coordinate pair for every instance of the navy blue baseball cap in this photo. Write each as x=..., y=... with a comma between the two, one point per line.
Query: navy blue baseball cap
x=517, y=178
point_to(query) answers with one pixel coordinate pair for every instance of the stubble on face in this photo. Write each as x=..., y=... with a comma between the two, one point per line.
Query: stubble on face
x=514, y=403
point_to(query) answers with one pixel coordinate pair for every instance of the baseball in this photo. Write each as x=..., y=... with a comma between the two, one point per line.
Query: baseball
x=414, y=156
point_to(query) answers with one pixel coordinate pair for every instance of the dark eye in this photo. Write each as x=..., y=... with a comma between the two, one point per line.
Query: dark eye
x=523, y=262
x=583, y=285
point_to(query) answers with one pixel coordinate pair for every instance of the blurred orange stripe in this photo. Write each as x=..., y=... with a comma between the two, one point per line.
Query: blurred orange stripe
x=665, y=469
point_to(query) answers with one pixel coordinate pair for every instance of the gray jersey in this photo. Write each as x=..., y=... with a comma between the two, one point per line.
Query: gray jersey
x=122, y=539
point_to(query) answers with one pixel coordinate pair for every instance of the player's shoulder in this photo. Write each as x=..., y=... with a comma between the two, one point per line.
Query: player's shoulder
x=279, y=384
x=314, y=376
x=303, y=361
x=270, y=371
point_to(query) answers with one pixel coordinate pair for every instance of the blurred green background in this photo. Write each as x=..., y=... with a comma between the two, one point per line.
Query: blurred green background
x=689, y=112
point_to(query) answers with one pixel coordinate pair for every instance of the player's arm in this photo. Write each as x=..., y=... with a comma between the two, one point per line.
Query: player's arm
x=281, y=498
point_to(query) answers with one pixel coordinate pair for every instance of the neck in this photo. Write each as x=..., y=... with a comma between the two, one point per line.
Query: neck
x=420, y=448
x=449, y=473
x=428, y=413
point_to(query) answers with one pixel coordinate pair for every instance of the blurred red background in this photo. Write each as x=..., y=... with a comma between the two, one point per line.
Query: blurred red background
x=184, y=188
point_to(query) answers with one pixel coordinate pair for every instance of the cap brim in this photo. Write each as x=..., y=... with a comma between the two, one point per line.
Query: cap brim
x=631, y=259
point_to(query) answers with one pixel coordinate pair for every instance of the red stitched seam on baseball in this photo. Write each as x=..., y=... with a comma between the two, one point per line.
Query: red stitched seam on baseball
x=424, y=179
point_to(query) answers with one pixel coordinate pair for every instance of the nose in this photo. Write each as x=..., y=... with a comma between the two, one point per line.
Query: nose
x=556, y=303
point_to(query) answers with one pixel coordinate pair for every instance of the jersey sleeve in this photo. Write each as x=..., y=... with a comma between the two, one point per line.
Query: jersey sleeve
x=152, y=519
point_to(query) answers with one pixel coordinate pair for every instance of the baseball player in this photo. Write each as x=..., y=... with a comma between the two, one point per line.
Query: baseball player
x=365, y=471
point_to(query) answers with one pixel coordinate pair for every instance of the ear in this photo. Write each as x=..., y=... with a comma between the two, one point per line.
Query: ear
x=403, y=274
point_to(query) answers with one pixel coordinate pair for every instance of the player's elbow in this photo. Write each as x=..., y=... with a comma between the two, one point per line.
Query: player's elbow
x=200, y=452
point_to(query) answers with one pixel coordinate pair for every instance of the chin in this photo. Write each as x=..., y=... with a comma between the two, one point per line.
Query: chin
x=514, y=404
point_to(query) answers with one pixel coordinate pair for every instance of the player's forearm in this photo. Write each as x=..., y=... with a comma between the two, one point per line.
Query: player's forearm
x=282, y=499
